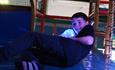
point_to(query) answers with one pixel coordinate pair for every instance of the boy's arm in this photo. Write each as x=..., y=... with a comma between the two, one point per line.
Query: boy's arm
x=87, y=40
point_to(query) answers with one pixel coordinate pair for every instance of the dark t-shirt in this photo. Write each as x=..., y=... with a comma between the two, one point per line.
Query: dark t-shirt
x=86, y=31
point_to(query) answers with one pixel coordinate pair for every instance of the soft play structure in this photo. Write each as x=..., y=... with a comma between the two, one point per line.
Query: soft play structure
x=15, y=20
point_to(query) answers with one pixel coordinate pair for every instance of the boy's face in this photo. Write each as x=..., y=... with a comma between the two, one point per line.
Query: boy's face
x=78, y=23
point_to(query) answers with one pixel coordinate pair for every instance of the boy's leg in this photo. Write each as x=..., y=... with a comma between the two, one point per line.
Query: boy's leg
x=59, y=51
x=17, y=47
x=56, y=50
x=49, y=50
x=47, y=44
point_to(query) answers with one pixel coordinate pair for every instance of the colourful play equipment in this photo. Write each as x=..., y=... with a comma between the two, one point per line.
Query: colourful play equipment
x=16, y=20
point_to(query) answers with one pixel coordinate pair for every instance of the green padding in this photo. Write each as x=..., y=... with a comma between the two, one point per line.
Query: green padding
x=57, y=21
x=103, y=18
x=49, y=29
x=48, y=25
x=99, y=41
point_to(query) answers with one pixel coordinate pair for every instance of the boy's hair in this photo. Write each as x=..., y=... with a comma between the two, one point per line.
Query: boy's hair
x=80, y=14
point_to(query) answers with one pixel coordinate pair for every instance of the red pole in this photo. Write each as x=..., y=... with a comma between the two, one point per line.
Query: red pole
x=54, y=28
x=42, y=24
x=43, y=16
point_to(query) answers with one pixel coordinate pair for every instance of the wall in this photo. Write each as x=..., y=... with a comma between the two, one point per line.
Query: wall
x=66, y=7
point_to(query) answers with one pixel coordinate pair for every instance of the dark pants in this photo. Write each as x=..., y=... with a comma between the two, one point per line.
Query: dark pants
x=52, y=50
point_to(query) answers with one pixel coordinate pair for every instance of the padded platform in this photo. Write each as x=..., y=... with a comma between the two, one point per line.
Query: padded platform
x=97, y=63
